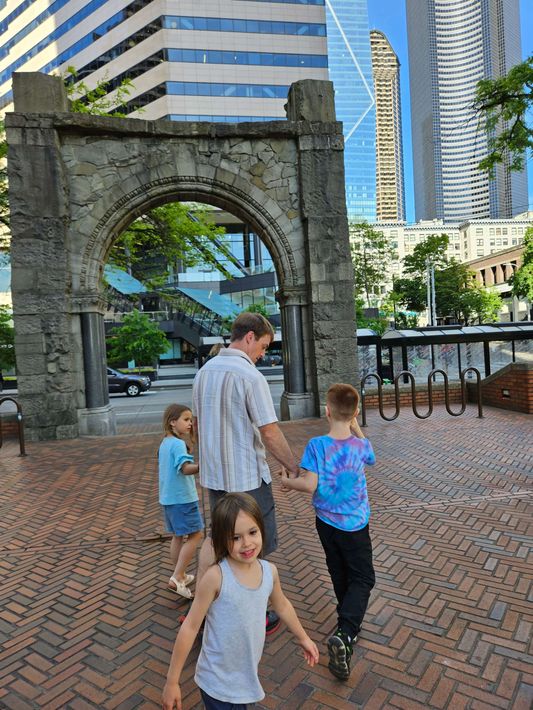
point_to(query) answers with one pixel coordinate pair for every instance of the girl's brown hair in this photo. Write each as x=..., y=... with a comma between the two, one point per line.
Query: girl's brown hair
x=172, y=412
x=223, y=517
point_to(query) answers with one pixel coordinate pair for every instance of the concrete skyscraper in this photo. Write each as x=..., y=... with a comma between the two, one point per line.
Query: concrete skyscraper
x=452, y=45
x=221, y=60
x=207, y=60
x=390, y=196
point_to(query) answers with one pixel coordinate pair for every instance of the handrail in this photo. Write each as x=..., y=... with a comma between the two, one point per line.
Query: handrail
x=20, y=424
x=409, y=375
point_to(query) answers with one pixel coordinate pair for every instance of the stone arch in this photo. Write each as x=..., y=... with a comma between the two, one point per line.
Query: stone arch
x=215, y=192
x=76, y=181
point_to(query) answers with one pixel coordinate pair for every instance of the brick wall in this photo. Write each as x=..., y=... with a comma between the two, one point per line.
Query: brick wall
x=509, y=388
x=371, y=395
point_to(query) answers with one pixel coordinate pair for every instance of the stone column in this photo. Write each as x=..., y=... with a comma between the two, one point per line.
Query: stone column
x=296, y=401
x=44, y=338
x=329, y=326
x=97, y=418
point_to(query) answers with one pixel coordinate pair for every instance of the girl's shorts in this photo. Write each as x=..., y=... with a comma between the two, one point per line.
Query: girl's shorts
x=183, y=518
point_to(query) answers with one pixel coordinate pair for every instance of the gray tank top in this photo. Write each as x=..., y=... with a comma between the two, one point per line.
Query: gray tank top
x=234, y=637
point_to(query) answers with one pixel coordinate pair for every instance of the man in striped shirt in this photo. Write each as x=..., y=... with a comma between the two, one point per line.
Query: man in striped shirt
x=236, y=422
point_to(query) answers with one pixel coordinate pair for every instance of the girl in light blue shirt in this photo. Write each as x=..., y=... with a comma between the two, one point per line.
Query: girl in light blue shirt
x=178, y=495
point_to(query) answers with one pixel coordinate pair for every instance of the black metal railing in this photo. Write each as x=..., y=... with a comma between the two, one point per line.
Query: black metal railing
x=20, y=424
x=406, y=375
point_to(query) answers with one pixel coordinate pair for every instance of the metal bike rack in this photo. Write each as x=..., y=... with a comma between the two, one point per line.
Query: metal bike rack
x=20, y=424
x=406, y=375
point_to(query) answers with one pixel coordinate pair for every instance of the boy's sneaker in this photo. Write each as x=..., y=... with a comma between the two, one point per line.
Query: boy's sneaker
x=340, y=651
x=272, y=622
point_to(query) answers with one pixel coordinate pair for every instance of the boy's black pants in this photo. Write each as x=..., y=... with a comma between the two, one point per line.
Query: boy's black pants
x=349, y=560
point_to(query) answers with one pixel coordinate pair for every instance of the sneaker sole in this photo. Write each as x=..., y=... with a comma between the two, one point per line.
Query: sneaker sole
x=272, y=629
x=338, y=664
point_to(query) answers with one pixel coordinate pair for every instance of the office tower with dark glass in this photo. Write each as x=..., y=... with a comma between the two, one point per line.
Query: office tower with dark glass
x=350, y=70
x=390, y=196
x=452, y=45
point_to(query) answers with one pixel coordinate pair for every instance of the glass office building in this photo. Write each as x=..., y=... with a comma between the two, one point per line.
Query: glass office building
x=350, y=69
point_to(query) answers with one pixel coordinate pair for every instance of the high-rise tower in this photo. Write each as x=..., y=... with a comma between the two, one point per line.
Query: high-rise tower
x=390, y=197
x=350, y=69
x=452, y=45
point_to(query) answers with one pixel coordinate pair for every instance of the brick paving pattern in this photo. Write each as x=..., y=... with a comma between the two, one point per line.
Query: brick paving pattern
x=86, y=620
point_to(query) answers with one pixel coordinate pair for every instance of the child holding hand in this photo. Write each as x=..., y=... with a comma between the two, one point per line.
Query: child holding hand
x=334, y=473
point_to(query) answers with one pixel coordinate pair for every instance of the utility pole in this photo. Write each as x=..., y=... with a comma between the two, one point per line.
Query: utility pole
x=430, y=290
x=433, y=299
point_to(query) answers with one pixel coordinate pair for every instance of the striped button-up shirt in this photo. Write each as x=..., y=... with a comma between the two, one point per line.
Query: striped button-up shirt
x=231, y=399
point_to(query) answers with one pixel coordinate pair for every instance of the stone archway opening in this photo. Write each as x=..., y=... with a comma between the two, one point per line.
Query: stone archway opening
x=76, y=181
x=228, y=274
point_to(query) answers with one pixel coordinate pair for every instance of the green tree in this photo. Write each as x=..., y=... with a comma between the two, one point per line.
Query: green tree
x=502, y=107
x=99, y=100
x=371, y=256
x=522, y=279
x=163, y=237
x=257, y=308
x=457, y=295
x=7, y=340
x=432, y=249
x=411, y=293
x=138, y=338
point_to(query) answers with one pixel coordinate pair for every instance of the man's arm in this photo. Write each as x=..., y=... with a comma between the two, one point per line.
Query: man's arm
x=276, y=443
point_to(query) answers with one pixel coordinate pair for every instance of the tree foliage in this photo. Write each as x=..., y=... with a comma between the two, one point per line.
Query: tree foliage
x=98, y=101
x=522, y=279
x=138, y=338
x=155, y=243
x=457, y=295
x=371, y=256
x=7, y=340
x=502, y=106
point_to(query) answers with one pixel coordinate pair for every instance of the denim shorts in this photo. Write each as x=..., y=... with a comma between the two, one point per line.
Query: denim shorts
x=183, y=518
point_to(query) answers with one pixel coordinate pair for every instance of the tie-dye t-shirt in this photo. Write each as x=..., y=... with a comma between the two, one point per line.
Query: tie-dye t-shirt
x=341, y=498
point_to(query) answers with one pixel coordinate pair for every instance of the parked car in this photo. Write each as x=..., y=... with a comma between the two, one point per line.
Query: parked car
x=131, y=384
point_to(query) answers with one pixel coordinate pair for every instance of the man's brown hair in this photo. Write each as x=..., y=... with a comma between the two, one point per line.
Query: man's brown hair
x=342, y=401
x=223, y=517
x=255, y=322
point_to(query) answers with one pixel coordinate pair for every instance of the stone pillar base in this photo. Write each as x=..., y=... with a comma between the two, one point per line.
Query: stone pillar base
x=98, y=421
x=297, y=406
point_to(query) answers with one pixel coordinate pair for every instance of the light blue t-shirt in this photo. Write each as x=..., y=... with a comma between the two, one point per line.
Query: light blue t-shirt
x=174, y=486
x=341, y=498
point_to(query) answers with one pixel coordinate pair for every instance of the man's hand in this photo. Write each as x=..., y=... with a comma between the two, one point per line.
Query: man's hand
x=284, y=475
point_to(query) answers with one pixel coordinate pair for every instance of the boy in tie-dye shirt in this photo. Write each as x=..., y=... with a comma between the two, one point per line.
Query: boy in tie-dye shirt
x=334, y=473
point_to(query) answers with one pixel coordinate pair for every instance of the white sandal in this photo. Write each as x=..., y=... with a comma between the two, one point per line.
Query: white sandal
x=181, y=587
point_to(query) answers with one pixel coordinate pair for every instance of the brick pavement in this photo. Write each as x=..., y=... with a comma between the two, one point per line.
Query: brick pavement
x=86, y=621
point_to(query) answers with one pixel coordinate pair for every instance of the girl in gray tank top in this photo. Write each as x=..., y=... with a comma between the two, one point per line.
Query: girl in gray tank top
x=232, y=597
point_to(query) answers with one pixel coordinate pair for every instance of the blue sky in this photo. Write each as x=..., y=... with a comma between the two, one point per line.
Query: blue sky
x=389, y=17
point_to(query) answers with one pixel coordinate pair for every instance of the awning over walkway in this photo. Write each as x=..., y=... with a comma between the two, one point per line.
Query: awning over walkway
x=221, y=305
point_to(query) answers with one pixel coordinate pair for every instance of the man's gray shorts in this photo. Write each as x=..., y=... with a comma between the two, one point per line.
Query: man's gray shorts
x=265, y=501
